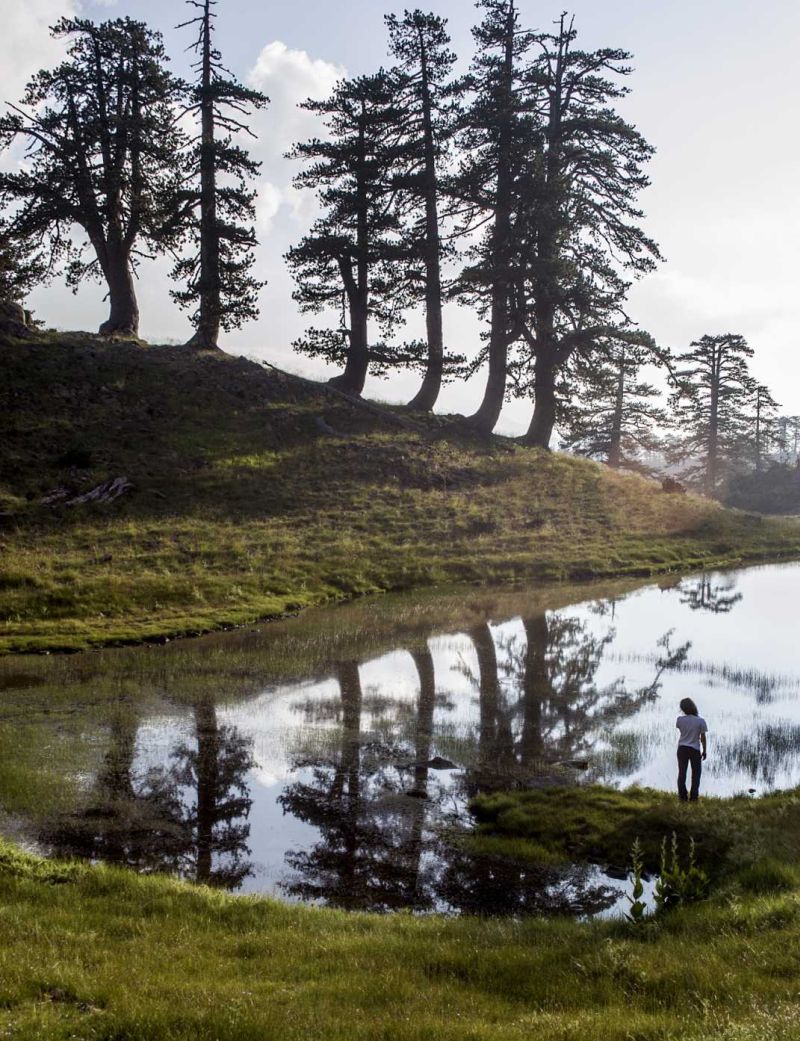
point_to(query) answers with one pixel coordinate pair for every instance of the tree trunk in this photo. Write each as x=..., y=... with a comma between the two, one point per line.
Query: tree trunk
x=352, y=380
x=123, y=317
x=543, y=420
x=615, y=444
x=207, y=332
x=426, y=397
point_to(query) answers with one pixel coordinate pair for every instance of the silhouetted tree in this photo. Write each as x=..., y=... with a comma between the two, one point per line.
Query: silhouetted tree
x=102, y=146
x=346, y=262
x=219, y=283
x=425, y=103
x=577, y=230
x=496, y=134
x=709, y=407
x=614, y=414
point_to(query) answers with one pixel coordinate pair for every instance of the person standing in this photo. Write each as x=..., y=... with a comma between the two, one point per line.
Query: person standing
x=691, y=748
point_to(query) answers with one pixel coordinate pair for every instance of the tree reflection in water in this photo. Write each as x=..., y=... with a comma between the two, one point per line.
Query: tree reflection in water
x=382, y=848
x=188, y=817
x=389, y=816
x=704, y=594
x=370, y=846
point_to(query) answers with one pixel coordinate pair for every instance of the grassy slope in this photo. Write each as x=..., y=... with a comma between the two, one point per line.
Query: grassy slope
x=243, y=509
x=91, y=953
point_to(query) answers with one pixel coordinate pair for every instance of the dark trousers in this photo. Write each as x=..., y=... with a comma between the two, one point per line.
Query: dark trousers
x=688, y=755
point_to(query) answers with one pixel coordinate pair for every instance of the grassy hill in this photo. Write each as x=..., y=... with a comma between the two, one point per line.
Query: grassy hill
x=254, y=493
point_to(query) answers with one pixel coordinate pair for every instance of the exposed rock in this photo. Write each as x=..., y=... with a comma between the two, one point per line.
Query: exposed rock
x=13, y=319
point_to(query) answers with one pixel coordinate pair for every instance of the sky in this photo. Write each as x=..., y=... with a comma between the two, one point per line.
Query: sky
x=714, y=89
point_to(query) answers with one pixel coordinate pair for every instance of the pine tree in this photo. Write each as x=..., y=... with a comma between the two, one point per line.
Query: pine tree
x=708, y=408
x=762, y=422
x=577, y=228
x=426, y=103
x=614, y=415
x=102, y=143
x=219, y=283
x=346, y=264
x=495, y=136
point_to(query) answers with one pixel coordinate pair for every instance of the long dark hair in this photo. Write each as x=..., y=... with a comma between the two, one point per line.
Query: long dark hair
x=689, y=707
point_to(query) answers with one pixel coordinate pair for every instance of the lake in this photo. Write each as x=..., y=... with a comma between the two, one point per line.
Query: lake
x=331, y=758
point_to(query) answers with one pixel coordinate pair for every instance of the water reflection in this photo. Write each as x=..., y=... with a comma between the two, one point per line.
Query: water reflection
x=335, y=763
x=188, y=815
x=708, y=594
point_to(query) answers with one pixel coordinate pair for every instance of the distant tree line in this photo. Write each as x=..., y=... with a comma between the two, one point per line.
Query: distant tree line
x=511, y=190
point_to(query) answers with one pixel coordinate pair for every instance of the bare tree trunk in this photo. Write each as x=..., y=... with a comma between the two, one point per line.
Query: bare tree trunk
x=123, y=315
x=207, y=332
x=426, y=397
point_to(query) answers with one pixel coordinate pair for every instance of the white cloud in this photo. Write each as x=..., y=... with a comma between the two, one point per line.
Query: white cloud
x=268, y=203
x=288, y=77
x=26, y=41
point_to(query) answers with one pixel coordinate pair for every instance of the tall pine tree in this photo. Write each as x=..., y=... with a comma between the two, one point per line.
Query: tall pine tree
x=577, y=229
x=614, y=414
x=217, y=275
x=348, y=263
x=709, y=407
x=426, y=103
x=496, y=134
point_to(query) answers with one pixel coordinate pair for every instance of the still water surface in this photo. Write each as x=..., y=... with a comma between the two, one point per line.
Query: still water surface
x=331, y=758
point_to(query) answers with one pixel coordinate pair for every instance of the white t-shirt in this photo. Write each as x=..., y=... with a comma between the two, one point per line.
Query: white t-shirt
x=691, y=727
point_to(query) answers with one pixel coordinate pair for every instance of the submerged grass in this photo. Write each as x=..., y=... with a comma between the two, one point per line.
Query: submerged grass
x=93, y=952
x=243, y=509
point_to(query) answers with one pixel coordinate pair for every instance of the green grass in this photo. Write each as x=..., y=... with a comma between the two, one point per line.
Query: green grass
x=243, y=510
x=96, y=953
x=600, y=825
